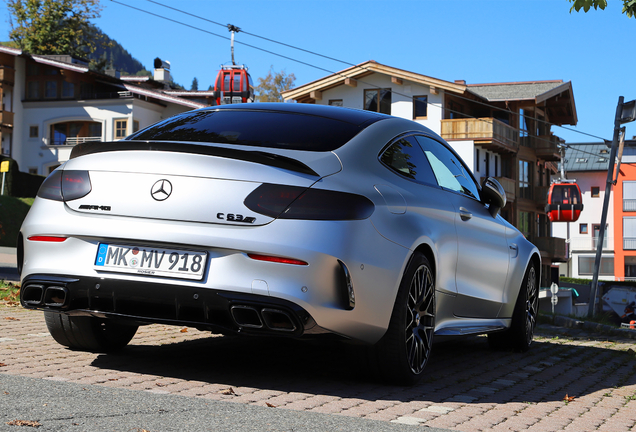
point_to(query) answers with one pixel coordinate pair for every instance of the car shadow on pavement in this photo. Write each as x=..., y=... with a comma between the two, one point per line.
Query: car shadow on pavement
x=462, y=370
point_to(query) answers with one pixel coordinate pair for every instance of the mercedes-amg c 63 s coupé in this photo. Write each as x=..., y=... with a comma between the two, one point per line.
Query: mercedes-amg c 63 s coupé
x=278, y=219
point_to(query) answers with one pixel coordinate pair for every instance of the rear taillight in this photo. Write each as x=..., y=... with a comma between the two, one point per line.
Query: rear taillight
x=277, y=259
x=51, y=239
x=65, y=185
x=292, y=202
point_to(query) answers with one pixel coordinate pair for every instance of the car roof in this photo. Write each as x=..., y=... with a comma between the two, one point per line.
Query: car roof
x=350, y=115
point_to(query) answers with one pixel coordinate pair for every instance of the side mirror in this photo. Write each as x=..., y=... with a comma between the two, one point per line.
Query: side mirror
x=494, y=195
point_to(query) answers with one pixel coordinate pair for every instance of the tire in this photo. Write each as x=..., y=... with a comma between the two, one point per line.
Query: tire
x=524, y=318
x=88, y=333
x=404, y=350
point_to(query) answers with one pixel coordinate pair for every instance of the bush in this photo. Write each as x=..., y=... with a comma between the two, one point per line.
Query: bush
x=20, y=184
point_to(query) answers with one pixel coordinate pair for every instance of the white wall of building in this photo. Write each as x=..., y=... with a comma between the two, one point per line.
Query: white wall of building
x=401, y=102
x=38, y=152
x=582, y=244
x=492, y=168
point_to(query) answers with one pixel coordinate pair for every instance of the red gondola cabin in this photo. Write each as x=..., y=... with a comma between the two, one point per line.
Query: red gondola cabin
x=564, y=202
x=233, y=85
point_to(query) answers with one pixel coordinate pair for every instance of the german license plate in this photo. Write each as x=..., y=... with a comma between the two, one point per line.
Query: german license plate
x=151, y=261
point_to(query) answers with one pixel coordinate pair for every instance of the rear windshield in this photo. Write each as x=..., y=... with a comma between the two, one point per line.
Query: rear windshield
x=282, y=130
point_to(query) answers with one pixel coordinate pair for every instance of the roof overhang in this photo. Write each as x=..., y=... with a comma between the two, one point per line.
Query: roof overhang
x=162, y=96
x=559, y=104
x=352, y=75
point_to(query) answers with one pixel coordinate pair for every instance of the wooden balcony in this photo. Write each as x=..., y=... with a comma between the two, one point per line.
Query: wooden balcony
x=6, y=118
x=487, y=132
x=546, y=146
x=551, y=248
x=7, y=75
x=509, y=185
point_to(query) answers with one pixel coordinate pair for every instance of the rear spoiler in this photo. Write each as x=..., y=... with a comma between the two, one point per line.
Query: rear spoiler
x=260, y=157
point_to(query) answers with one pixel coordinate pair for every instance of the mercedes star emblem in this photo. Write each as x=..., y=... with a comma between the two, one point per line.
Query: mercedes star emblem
x=161, y=190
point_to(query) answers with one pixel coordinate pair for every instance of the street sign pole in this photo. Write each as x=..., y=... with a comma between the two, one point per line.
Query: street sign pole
x=625, y=112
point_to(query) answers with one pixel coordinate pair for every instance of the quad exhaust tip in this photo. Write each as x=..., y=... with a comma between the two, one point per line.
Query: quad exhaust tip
x=40, y=295
x=272, y=319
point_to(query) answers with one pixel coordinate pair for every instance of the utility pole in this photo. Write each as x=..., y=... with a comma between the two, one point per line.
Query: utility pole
x=625, y=113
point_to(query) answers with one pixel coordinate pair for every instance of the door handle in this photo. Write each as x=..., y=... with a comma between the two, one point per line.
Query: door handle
x=465, y=214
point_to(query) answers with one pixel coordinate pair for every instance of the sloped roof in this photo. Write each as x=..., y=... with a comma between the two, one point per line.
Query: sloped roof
x=513, y=91
x=555, y=96
x=364, y=69
x=586, y=157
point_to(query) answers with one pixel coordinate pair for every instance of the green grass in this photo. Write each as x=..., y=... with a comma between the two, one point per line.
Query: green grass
x=12, y=213
x=9, y=291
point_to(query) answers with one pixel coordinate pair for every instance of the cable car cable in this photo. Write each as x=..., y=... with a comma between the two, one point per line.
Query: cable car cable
x=338, y=73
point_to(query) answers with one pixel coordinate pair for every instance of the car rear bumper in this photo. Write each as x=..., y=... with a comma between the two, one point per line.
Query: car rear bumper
x=144, y=302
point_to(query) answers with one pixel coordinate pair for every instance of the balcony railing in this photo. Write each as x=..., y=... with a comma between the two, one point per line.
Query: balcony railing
x=6, y=118
x=590, y=243
x=547, y=147
x=629, y=243
x=553, y=247
x=629, y=205
x=71, y=141
x=491, y=132
x=7, y=75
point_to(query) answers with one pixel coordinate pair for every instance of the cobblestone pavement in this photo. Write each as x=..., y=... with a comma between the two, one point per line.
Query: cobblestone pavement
x=468, y=386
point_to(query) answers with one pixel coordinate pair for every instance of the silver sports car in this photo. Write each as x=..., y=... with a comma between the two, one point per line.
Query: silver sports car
x=278, y=219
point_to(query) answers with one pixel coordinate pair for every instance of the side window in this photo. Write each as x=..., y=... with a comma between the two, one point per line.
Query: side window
x=449, y=171
x=406, y=158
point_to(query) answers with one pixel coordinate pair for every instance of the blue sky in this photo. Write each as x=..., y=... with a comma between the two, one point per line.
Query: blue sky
x=478, y=41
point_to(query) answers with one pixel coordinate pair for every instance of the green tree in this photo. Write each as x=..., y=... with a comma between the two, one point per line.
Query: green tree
x=270, y=87
x=629, y=6
x=54, y=26
x=195, y=84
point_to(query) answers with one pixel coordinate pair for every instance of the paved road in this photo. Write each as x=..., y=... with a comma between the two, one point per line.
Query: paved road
x=65, y=406
x=468, y=387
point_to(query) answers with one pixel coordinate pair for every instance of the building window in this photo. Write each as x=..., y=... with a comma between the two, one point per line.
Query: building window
x=583, y=228
x=596, y=233
x=336, y=102
x=525, y=223
x=77, y=132
x=68, y=90
x=586, y=265
x=34, y=132
x=50, y=89
x=629, y=196
x=420, y=107
x=496, y=166
x=33, y=170
x=378, y=100
x=476, y=160
x=630, y=268
x=596, y=191
x=525, y=179
x=121, y=127
x=629, y=233
x=33, y=90
x=135, y=125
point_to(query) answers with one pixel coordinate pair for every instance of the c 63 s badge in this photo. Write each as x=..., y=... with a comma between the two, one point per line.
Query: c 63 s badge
x=235, y=218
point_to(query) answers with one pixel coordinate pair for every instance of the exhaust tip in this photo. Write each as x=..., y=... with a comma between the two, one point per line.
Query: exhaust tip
x=278, y=320
x=32, y=294
x=55, y=296
x=246, y=316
